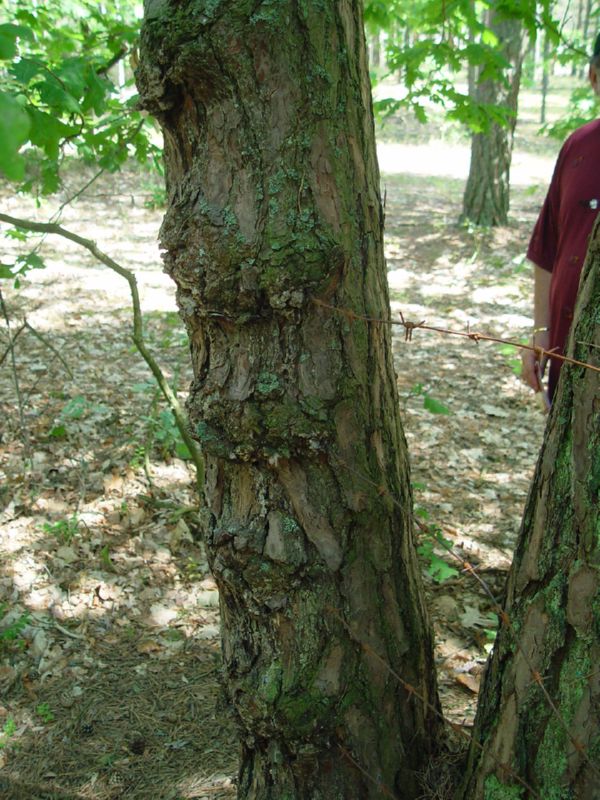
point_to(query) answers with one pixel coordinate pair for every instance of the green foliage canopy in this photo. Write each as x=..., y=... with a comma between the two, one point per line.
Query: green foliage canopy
x=429, y=43
x=58, y=98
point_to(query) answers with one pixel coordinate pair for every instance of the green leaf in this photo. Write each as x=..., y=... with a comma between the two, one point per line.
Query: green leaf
x=54, y=96
x=96, y=93
x=47, y=131
x=32, y=261
x=9, y=34
x=434, y=406
x=75, y=408
x=183, y=451
x=440, y=571
x=15, y=233
x=437, y=567
x=6, y=271
x=72, y=75
x=58, y=432
x=27, y=262
x=14, y=130
x=25, y=69
x=489, y=37
x=50, y=179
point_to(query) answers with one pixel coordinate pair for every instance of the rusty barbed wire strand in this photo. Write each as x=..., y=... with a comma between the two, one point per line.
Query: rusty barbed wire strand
x=504, y=618
x=410, y=327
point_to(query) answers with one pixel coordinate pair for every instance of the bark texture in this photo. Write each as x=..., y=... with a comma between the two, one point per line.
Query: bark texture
x=274, y=203
x=553, y=603
x=487, y=197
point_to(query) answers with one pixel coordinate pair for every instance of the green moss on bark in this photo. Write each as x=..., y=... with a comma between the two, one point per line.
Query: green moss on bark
x=494, y=790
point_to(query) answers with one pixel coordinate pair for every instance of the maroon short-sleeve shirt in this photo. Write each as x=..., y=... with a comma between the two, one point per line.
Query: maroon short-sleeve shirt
x=561, y=234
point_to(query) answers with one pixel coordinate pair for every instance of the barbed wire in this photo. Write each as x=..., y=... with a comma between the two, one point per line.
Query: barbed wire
x=475, y=336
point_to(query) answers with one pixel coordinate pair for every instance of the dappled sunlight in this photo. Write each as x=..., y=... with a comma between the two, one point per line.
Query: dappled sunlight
x=472, y=464
x=99, y=541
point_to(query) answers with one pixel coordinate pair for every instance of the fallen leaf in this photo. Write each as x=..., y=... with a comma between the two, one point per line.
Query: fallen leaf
x=148, y=646
x=470, y=682
x=66, y=554
x=494, y=411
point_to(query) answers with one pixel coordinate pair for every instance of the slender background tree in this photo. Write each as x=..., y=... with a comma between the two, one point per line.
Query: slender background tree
x=486, y=197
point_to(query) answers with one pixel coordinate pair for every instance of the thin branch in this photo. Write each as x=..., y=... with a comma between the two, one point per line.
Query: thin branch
x=13, y=359
x=11, y=343
x=50, y=347
x=121, y=53
x=77, y=194
x=137, y=333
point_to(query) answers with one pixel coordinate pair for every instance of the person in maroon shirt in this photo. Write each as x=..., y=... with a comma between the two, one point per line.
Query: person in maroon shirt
x=560, y=240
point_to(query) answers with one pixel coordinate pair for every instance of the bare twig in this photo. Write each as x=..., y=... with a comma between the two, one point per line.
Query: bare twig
x=50, y=347
x=137, y=332
x=13, y=360
x=121, y=53
x=11, y=342
x=56, y=216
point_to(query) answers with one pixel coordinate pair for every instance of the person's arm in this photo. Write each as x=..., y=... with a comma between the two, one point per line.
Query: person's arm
x=531, y=368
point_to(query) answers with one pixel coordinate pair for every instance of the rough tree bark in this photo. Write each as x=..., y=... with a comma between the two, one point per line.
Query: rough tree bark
x=274, y=204
x=553, y=603
x=486, y=199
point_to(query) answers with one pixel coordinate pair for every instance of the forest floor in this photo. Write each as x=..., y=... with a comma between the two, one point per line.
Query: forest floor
x=108, y=616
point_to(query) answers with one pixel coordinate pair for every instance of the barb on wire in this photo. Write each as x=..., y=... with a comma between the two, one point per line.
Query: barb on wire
x=410, y=327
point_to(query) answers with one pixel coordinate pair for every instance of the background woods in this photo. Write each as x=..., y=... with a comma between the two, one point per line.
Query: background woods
x=109, y=623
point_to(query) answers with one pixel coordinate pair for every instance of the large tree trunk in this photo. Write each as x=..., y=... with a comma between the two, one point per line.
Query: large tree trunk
x=549, y=735
x=487, y=197
x=274, y=204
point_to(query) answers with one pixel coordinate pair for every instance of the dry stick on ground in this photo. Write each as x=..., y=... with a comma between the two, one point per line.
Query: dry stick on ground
x=137, y=333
